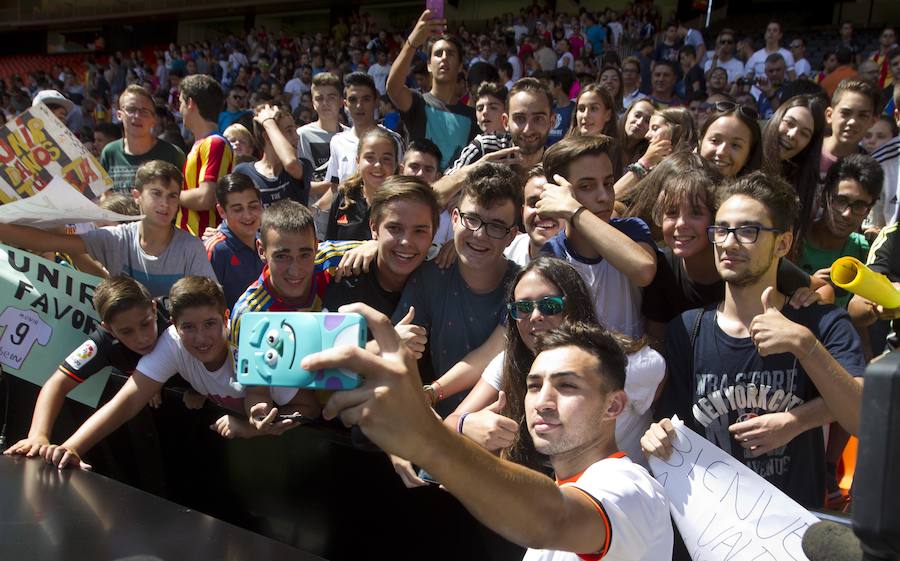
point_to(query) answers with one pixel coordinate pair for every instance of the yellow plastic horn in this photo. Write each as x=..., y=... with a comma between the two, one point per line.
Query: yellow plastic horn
x=853, y=276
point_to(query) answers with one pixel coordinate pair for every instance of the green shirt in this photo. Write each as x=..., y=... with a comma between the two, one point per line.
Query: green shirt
x=815, y=258
x=121, y=166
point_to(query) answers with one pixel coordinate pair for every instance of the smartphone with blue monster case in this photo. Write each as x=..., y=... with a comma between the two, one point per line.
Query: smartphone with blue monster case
x=271, y=346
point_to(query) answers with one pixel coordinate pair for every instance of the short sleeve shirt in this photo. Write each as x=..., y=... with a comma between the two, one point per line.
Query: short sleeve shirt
x=121, y=166
x=450, y=126
x=459, y=319
x=169, y=357
x=102, y=349
x=235, y=264
x=285, y=186
x=118, y=248
x=616, y=299
x=632, y=508
x=209, y=160
x=721, y=380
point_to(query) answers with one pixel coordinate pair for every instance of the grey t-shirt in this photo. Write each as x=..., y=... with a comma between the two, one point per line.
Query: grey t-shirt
x=118, y=248
x=458, y=320
x=314, y=146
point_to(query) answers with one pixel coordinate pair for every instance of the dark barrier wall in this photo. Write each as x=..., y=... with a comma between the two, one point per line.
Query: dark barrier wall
x=309, y=487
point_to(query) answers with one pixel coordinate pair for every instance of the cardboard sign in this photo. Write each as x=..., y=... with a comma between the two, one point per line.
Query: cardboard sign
x=723, y=510
x=35, y=147
x=46, y=312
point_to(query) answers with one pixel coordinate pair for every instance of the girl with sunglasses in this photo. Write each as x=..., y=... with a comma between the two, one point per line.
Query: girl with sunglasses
x=792, y=145
x=686, y=275
x=730, y=139
x=544, y=294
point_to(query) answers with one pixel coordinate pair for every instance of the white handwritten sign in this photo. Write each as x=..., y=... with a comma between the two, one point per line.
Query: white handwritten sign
x=57, y=204
x=723, y=510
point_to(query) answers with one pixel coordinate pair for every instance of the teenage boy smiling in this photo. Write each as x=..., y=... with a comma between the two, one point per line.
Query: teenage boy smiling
x=150, y=250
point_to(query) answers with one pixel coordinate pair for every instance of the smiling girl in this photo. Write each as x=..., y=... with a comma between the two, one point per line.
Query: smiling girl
x=376, y=160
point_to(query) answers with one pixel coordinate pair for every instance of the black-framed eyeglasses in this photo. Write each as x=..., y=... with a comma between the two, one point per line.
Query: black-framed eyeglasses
x=730, y=106
x=547, y=306
x=840, y=203
x=474, y=223
x=743, y=234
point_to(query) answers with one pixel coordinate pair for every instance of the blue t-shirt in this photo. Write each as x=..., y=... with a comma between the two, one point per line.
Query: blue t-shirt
x=562, y=119
x=458, y=320
x=723, y=380
x=596, y=34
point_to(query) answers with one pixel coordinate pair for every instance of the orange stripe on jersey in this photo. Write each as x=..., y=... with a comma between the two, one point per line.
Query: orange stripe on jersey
x=209, y=159
x=70, y=374
x=606, y=526
x=212, y=242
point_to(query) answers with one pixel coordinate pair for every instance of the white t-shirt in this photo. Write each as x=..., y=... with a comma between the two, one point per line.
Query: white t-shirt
x=21, y=330
x=757, y=62
x=296, y=88
x=630, y=504
x=802, y=67
x=734, y=68
x=646, y=369
x=343, y=148
x=517, y=251
x=380, y=73
x=516, y=68
x=169, y=357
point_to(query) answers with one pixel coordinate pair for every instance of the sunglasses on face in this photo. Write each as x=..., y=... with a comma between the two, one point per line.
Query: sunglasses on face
x=547, y=306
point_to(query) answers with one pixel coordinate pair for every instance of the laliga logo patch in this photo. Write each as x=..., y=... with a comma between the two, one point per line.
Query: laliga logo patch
x=82, y=355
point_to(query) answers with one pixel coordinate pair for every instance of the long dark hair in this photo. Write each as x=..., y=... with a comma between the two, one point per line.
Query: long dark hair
x=629, y=156
x=617, y=96
x=579, y=306
x=611, y=128
x=754, y=158
x=801, y=171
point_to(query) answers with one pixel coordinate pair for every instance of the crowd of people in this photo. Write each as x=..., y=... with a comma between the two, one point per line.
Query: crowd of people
x=570, y=246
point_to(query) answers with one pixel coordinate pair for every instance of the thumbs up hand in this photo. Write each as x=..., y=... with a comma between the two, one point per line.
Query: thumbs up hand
x=772, y=333
x=415, y=337
x=488, y=428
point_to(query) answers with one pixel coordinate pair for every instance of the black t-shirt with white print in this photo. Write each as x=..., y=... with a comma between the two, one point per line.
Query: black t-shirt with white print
x=725, y=380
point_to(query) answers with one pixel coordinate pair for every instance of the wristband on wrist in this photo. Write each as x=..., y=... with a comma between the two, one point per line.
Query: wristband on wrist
x=638, y=170
x=438, y=390
x=430, y=394
x=576, y=213
x=459, y=423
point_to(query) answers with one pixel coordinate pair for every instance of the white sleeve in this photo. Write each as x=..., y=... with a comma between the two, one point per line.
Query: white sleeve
x=162, y=362
x=632, y=507
x=493, y=372
x=646, y=369
x=332, y=172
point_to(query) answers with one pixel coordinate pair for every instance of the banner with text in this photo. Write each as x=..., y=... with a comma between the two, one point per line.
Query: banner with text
x=723, y=510
x=35, y=147
x=46, y=311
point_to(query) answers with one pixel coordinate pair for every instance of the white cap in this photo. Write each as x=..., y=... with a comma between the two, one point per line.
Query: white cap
x=52, y=97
